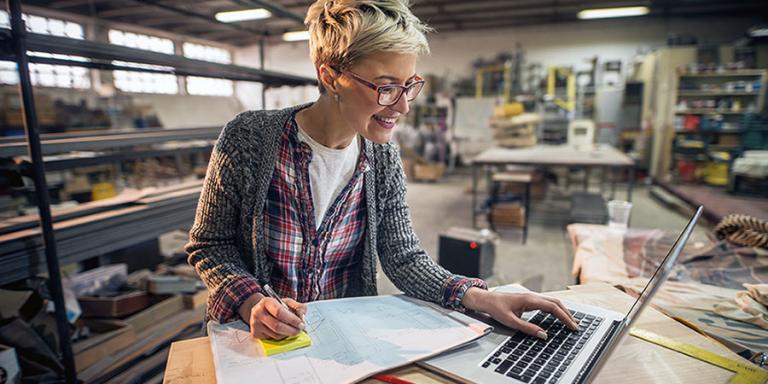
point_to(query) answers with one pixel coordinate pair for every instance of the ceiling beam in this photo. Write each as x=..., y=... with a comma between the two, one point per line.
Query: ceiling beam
x=492, y=14
x=73, y=3
x=464, y=24
x=122, y=11
x=159, y=20
x=242, y=41
x=501, y=24
x=570, y=13
x=474, y=6
x=213, y=35
x=448, y=26
x=195, y=28
x=298, y=4
x=448, y=4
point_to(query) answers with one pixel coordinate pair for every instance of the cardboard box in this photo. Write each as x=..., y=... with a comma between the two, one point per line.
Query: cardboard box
x=512, y=214
x=428, y=172
x=10, y=372
x=119, y=305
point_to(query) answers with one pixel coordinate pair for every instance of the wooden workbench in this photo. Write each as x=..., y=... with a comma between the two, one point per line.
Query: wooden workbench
x=544, y=156
x=634, y=361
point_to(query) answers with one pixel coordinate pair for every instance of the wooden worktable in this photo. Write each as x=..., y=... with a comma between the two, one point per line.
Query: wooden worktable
x=599, y=155
x=545, y=156
x=634, y=361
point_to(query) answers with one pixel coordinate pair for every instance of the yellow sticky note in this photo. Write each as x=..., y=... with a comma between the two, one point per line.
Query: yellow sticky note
x=273, y=347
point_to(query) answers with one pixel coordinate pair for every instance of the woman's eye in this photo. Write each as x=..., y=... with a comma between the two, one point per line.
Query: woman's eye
x=388, y=90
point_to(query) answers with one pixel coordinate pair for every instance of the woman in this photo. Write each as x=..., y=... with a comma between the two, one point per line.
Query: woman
x=306, y=199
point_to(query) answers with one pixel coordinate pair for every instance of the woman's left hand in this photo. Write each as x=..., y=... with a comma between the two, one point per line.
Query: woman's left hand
x=507, y=308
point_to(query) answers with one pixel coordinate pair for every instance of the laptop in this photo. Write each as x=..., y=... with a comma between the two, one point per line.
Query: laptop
x=507, y=356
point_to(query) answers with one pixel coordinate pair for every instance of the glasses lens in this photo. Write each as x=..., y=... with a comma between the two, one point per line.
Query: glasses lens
x=413, y=90
x=389, y=95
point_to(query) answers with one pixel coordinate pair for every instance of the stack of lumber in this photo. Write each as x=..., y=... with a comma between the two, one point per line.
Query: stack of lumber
x=513, y=128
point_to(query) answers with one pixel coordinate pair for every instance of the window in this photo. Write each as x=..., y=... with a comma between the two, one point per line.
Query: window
x=139, y=41
x=46, y=25
x=144, y=82
x=62, y=76
x=48, y=75
x=207, y=53
x=207, y=86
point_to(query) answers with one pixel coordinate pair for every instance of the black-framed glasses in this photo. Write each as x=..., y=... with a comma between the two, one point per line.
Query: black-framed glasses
x=390, y=94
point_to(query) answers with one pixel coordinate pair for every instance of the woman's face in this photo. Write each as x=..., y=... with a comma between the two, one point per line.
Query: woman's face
x=359, y=103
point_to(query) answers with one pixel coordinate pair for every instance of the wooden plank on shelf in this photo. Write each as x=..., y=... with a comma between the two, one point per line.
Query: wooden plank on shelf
x=13, y=236
x=145, y=367
x=147, y=341
x=171, y=195
x=161, y=310
x=196, y=300
x=109, y=336
x=124, y=199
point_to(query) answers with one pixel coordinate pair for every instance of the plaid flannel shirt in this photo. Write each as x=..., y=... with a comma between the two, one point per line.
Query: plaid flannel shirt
x=312, y=264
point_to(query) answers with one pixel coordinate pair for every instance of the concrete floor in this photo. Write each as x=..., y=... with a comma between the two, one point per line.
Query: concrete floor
x=544, y=263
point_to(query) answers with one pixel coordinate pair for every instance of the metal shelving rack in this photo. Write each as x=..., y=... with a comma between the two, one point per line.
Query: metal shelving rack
x=14, y=45
x=53, y=143
x=728, y=114
x=693, y=145
x=97, y=233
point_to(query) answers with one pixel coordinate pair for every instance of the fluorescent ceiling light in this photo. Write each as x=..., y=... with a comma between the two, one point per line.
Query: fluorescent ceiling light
x=296, y=36
x=604, y=13
x=246, y=14
x=758, y=31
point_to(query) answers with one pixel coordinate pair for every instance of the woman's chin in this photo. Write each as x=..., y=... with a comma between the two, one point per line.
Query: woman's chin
x=380, y=138
x=378, y=135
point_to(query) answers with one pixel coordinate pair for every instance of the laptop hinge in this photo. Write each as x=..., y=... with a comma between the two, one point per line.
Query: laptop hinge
x=594, y=356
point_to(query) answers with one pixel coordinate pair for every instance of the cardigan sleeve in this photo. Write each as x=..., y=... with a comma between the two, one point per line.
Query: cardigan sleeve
x=402, y=258
x=213, y=240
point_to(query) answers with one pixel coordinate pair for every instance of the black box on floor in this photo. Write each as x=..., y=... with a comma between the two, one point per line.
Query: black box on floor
x=467, y=251
x=588, y=208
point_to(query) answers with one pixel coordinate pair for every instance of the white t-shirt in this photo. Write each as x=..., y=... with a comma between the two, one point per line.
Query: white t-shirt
x=329, y=172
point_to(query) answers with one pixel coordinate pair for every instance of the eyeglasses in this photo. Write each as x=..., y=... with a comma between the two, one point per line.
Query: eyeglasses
x=390, y=94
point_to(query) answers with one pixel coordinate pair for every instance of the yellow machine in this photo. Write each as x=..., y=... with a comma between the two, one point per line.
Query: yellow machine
x=558, y=78
x=716, y=170
x=493, y=71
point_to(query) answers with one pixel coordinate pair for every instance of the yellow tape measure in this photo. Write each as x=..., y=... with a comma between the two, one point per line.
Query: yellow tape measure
x=745, y=373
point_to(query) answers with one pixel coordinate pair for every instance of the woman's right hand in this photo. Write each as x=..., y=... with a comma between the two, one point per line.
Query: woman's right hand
x=270, y=320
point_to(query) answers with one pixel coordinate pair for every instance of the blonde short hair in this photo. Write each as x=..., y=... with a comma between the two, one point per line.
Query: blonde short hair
x=343, y=31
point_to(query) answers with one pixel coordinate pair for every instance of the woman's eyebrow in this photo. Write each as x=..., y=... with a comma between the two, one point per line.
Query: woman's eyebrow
x=393, y=78
x=386, y=77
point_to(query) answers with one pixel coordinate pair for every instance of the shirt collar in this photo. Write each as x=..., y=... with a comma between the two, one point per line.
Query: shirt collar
x=304, y=152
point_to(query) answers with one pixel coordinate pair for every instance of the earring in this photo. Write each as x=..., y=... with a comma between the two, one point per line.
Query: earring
x=336, y=97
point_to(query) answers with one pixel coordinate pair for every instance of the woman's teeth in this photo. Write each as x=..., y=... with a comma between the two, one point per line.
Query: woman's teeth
x=388, y=120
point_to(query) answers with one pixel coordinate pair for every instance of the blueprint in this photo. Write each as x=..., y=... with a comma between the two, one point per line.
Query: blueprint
x=351, y=339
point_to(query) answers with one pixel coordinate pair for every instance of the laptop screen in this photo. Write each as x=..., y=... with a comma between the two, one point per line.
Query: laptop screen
x=662, y=272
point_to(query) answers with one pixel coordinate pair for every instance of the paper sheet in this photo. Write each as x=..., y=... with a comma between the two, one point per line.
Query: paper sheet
x=351, y=340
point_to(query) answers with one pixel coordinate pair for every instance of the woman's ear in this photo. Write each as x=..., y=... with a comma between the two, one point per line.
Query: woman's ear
x=327, y=77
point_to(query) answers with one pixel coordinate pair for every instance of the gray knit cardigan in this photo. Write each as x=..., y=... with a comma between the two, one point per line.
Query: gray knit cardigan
x=225, y=242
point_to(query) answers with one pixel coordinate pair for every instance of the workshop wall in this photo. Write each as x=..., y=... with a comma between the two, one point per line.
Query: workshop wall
x=553, y=44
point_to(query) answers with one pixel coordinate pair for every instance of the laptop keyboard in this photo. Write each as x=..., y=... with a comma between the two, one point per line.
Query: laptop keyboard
x=532, y=360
